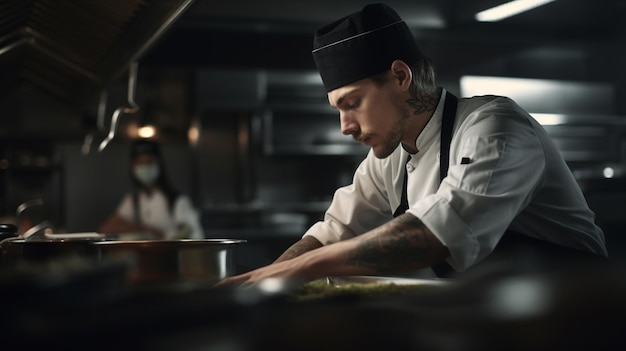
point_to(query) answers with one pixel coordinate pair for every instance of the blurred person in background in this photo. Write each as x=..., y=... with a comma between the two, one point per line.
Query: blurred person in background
x=154, y=208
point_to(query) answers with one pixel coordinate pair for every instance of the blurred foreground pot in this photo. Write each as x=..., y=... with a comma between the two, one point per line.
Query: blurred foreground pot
x=174, y=261
x=15, y=250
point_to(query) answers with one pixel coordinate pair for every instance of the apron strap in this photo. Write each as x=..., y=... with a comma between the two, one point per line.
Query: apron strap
x=404, y=203
x=447, y=125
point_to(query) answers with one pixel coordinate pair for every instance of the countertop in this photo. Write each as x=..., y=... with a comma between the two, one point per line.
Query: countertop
x=580, y=309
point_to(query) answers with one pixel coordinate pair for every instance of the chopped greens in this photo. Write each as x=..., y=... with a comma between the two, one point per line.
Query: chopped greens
x=320, y=290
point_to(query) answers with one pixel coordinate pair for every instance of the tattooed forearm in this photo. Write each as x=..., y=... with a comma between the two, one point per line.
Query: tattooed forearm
x=402, y=244
x=305, y=244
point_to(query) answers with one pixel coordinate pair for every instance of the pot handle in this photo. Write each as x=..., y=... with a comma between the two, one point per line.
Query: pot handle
x=7, y=231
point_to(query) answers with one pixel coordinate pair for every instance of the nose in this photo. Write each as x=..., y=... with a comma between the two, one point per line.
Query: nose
x=348, y=124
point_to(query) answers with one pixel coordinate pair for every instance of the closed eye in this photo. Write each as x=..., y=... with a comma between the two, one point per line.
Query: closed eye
x=354, y=105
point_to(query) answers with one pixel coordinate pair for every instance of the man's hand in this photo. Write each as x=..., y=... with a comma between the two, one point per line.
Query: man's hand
x=401, y=245
x=282, y=270
x=278, y=268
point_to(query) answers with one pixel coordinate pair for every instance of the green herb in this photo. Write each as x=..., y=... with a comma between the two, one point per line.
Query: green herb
x=319, y=290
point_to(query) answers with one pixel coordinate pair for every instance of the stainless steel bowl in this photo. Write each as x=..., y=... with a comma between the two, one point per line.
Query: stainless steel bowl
x=174, y=261
x=41, y=250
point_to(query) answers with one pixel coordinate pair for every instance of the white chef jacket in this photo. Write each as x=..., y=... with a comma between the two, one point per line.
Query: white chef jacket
x=504, y=173
x=154, y=212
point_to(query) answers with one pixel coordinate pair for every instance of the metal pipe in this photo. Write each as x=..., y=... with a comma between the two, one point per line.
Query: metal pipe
x=5, y=49
x=102, y=104
x=185, y=4
x=132, y=107
x=133, y=71
x=86, y=147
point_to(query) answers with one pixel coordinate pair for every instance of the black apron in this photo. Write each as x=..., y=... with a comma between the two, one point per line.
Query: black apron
x=447, y=123
x=513, y=249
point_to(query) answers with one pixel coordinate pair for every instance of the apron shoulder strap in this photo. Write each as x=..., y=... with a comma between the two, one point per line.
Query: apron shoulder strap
x=447, y=127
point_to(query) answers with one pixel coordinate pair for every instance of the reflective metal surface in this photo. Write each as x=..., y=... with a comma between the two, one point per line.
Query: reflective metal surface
x=174, y=261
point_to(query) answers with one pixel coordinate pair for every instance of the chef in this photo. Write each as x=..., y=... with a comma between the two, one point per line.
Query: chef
x=449, y=183
x=154, y=208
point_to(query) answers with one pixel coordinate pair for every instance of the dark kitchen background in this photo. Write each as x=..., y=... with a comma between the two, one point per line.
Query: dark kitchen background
x=233, y=92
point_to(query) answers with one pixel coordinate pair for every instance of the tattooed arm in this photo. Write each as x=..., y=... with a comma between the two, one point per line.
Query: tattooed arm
x=401, y=245
x=305, y=244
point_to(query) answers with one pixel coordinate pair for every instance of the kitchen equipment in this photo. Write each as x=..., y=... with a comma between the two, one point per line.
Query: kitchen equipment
x=131, y=108
x=204, y=261
x=16, y=249
x=22, y=208
x=36, y=232
x=163, y=262
x=37, y=245
x=7, y=231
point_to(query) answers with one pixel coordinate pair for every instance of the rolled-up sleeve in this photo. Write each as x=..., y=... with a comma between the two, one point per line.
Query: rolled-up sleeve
x=496, y=164
x=355, y=208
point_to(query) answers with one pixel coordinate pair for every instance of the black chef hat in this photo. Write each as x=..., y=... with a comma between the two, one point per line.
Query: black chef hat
x=144, y=146
x=362, y=44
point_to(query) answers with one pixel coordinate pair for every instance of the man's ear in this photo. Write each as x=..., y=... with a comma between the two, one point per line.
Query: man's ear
x=402, y=74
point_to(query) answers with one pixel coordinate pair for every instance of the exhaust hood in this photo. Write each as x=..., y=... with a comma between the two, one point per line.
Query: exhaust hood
x=68, y=50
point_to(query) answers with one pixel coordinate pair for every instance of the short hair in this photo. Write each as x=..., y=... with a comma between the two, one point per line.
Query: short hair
x=424, y=79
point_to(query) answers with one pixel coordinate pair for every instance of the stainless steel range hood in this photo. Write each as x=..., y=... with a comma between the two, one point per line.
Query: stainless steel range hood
x=69, y=50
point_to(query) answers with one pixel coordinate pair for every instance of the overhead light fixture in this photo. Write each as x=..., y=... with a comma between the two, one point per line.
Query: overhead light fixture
x=509, y=9
x=193, y=133
x=146, y=131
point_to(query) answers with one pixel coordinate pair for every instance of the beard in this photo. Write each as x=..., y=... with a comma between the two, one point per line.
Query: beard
x=394, y=137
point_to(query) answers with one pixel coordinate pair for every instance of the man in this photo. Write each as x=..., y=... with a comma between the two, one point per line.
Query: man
x=448, y=183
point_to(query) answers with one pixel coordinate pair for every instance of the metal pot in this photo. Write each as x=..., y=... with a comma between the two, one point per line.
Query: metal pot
x=174, y=261
x=43, y=246
x=40, y=250
x=151, y=261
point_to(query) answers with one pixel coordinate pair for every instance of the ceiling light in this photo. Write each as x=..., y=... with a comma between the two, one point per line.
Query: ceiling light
x=146, y=132
x=608, y=172
x=193, y=133
x=509, y=9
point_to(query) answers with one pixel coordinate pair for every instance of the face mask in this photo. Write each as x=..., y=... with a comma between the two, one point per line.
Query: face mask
x=147, y=174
